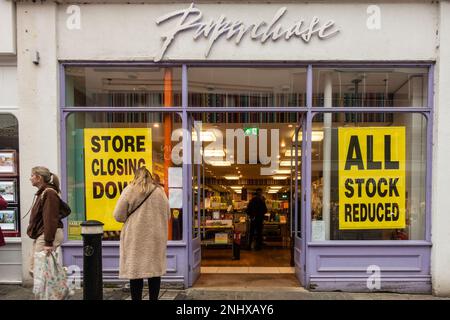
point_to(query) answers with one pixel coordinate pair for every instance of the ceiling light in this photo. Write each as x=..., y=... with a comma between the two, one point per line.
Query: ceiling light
x=204, y=136
x=214, y=153
x=219, y=163
x=291, y=153
x=156, y=125
x=281, y=171
x=287, y=163
x=232, y=177
x=275, y=187
x=316, y=136
x=236, y=187
x=280, y=177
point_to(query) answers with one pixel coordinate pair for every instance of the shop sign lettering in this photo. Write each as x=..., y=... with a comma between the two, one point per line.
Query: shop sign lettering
x=191, y=19
x=111, y=157
x=372, y=178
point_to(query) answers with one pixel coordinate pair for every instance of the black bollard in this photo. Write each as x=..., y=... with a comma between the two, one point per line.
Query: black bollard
x=92, y=232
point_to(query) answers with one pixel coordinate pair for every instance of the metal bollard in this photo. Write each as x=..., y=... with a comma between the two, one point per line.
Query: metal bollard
x=92, y=232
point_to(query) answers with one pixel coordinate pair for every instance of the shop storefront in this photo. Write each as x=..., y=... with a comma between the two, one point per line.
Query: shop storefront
x=345, y=97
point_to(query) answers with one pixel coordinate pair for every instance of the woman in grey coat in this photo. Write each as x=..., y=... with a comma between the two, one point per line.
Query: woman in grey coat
x=144, y=208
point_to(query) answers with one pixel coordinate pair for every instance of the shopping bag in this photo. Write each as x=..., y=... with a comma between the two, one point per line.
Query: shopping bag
x=50, y=278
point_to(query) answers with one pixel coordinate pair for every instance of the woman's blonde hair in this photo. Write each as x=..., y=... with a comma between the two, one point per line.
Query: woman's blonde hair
x=47, y=176
x=142, y=179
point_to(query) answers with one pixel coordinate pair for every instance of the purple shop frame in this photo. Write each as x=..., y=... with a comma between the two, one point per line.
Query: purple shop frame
x=324, y=277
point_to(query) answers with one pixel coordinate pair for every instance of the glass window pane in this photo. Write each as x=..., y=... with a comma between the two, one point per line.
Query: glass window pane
x=103, y=150
x=9, y=185
x=123, y=86
x=368, y=177
x=350, y=87
x=247, y=87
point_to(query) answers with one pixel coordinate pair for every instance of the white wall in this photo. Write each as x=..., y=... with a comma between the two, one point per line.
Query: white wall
x=11, y=261
x=8, y=85
x=7, y=27
x=38, y=102
x=441, y=154
x=111, y=34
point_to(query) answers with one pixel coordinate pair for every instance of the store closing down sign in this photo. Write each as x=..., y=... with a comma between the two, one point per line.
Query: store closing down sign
x=111, y=157
x=372, y=178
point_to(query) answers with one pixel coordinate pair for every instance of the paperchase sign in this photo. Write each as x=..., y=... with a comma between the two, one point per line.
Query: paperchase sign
x=191, y=19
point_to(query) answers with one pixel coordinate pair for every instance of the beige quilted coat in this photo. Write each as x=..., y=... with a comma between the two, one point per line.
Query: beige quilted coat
x=143, y=240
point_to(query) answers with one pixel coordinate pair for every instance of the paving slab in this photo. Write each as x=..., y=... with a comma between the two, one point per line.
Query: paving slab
x=18, y=292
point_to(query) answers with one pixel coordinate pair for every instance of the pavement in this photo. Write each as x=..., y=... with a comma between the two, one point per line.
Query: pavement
x=18, y=292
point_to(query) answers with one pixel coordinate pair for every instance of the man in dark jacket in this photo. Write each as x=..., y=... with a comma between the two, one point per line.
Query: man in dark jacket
x=256, y=210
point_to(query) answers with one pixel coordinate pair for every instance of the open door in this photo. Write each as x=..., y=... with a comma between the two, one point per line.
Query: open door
x=196, y=205
x=298, y=201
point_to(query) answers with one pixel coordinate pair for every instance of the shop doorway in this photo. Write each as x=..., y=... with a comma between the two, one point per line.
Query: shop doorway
x=237, y=157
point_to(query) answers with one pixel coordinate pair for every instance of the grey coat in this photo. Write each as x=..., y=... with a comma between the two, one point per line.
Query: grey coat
x=143, y=240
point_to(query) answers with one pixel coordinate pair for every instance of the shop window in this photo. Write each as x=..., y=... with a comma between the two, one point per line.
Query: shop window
x=122, y=87
x=247, y=87
x=368, y=177
x=382, y=87
x=9, y=175
x=104, y=149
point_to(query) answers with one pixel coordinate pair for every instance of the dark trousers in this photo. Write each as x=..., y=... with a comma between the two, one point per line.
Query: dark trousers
x=137, y=285
x=256, y=228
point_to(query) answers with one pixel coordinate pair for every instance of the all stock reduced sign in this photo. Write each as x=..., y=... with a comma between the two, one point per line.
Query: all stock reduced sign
x=372, y=193
x=111, y=155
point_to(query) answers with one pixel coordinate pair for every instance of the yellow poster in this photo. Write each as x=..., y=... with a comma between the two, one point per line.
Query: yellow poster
x=372, y=178
x=111, y=157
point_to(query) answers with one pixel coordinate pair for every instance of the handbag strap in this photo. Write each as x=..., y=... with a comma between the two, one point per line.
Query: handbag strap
x=150, y=193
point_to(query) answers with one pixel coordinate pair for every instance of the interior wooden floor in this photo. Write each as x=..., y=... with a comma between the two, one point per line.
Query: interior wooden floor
x=267, y=257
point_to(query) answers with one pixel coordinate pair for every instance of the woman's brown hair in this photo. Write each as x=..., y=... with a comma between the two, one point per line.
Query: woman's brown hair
x=47, y=176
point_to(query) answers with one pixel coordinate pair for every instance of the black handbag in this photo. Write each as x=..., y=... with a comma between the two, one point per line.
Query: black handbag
x=64, y=209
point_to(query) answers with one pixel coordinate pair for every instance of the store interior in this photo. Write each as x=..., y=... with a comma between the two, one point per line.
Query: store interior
x=229, y=180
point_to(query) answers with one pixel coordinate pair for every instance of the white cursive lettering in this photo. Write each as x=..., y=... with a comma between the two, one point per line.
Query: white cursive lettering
x=190, y=18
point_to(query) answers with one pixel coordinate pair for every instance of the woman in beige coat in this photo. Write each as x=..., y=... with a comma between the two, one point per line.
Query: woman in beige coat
x=144, y=209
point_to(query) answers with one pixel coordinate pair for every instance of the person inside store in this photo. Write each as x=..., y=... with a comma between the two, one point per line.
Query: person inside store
x=143, y=207
x=256, y=210
x=3, y=205
x=45, y=226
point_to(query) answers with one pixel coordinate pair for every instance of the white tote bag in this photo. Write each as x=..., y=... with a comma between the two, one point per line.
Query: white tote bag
x=50, y=278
